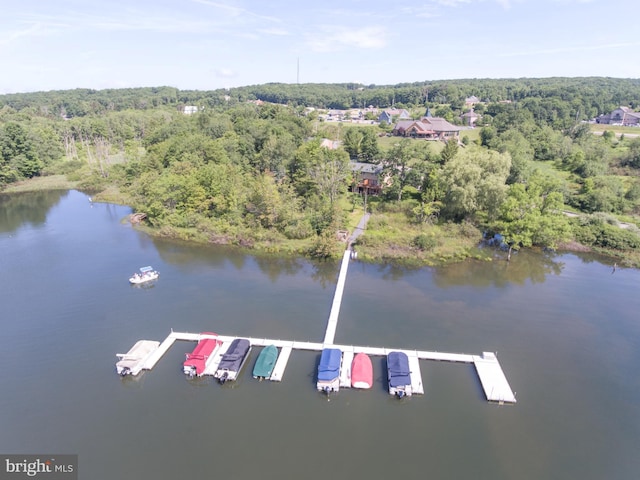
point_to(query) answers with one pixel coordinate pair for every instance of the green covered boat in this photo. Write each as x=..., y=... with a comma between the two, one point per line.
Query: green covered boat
x=265, y=362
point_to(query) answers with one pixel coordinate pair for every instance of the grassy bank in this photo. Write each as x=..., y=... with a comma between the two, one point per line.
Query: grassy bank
x=38, y=184
x=392, y=237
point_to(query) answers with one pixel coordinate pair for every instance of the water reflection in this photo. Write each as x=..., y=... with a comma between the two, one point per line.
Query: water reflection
x=274, y=267
x=193, y=257
x=18, y=209
x=325, y=272
x=523, y=267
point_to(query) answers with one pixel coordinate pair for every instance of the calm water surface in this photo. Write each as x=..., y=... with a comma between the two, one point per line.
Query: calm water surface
x=567, y=333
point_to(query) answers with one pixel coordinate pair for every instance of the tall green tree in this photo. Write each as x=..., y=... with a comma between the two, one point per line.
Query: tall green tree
x=398, y=162
x=475, y=180
x=330, y=172
x=18, y=152
x=361, y=144
x=529, y=217
x=449, y=151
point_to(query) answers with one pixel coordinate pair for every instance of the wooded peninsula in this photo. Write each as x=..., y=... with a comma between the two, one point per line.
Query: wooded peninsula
x=546, y=163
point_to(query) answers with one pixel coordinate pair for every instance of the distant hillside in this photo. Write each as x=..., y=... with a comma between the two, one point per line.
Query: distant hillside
x=584, y=97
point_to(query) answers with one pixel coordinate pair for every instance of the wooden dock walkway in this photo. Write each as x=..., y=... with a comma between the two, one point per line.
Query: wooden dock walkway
x=332, y=323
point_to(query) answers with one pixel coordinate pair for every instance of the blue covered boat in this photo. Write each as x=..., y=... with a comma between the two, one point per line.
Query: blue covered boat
x=329, y=370
x=399, y=374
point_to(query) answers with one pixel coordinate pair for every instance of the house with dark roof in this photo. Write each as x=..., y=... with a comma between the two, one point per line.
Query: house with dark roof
x=387, y=116
x=620, y=116
x=367, y=178
x=429, y=128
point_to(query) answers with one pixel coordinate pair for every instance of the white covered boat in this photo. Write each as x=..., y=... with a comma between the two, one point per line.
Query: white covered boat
x=132, y=362
x=146, y=274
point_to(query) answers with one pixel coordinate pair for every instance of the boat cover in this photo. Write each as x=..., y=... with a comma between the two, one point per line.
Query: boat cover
x=361, y=371
x=232, y=360
x=329, y=367
x=266, y=361
x=398, y=367
x=201, y=353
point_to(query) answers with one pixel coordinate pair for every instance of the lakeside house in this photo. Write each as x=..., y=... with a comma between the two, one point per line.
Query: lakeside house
x=429, y=128
x=367, y=178
x=620, y=116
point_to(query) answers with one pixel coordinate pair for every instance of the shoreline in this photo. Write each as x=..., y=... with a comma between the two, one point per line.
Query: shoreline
x=384, y=254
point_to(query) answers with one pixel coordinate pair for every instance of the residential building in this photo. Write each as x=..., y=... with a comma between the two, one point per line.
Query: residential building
x=367, y=178
x=470, y=118
x=389, y=115
x=471, y=101
x=330, y=144
x=189, y=109
x=620, y=116
x=429, y=128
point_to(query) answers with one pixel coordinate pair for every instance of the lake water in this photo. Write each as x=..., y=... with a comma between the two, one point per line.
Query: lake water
x=566, y=330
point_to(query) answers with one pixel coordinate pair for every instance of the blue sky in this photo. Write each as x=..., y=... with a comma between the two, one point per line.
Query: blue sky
x=209, y=44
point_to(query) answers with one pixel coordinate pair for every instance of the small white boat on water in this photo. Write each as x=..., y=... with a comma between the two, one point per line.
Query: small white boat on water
x=133, y=361
x=146, y=274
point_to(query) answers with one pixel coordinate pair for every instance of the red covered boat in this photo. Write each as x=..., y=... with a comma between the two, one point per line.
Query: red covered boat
x=197, y=360
x=361, y=371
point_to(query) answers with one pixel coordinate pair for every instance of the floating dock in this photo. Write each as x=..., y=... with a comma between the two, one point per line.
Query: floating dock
x=494, y=383
x=216, y=358
x=416, y=377
x=345, y=371
x=492, y=378
x=281, y=364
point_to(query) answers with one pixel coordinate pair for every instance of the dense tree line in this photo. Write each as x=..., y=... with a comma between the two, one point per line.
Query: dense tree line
x=237, y=172
x=546, y=98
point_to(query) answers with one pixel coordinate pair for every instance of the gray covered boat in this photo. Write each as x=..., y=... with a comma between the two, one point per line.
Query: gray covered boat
x=233, y=360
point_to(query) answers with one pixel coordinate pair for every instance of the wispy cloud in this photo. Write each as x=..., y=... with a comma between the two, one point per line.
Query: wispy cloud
x=451, y=3
x=236, y=11
x=129, y=20
x=225, y=73
x=274, y=31
x=457, y=3
x=571, y=49
x=421, y=11
x=31, y=30
x=334, y=38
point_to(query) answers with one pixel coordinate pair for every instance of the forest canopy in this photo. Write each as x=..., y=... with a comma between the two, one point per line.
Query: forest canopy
x=248, y=167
